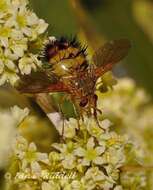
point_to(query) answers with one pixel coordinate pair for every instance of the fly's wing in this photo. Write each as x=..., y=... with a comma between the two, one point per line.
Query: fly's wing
x=111, y=53
x=39, y=82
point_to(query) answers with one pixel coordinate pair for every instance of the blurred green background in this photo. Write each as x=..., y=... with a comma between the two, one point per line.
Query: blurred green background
x=103, y=20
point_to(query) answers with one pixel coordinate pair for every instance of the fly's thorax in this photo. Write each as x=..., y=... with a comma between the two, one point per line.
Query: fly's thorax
x=82, y=88
x=85, y=84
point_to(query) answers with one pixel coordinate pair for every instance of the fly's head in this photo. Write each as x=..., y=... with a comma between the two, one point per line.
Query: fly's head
x=85, y=89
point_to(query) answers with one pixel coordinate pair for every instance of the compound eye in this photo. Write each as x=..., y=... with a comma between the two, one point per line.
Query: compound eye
x=84, y=102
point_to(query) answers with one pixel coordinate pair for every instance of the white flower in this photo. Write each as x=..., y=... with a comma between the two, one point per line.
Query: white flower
x=8, y=132
x=112, y=172
x=91, y=153
x=70, y=127
x=92, y=127
x=19, y=145
x=106, y=123
x=3, y=5
x=17, y=48
x=51, y=185
x=4, y=35
x=10, y=77
x=19, y=28
x=95, y=174
x=19, y=114
x=66, y=154
x=41, y=27
x=26, y=65
x=114, y=156
x=95, y=130
x=69, y=162
x=118, y=187
x=107, y=185
x=34, y=158
x=96, y=178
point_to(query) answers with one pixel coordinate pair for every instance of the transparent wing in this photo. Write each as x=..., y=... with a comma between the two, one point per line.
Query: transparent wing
x=39, y=82
x=111, y=53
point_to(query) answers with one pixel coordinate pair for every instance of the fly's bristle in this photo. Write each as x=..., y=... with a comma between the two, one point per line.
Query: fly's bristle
x=54, y=46
x=45, y=52
x=74, y=42
x=84, y=49
x=62, y=39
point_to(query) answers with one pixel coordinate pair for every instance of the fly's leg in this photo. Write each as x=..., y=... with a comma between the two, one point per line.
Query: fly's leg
x=62, y=114
x=96, y=118
x=81, y=114
x=98, y=110
x=95, y=110
x=77, y=115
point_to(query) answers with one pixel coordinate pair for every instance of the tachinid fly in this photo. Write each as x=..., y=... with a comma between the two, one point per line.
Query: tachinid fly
x=68, y=70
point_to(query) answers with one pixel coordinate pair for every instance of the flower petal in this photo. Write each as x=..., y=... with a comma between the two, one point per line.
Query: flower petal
x=79, y=152
x=100, y=150
x=32, y=147
x=69, y=162
x=43, y=157
x=99, y=160
x=36, y=169
x=90, y=143
x=85, y=162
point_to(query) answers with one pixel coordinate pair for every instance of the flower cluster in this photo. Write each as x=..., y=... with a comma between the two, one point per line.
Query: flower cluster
x=131, y=114
x=20, y=39
x=90, y=157
x=9, y=120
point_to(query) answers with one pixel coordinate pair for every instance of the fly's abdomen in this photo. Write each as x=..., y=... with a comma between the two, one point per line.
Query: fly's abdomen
x=65, y=57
